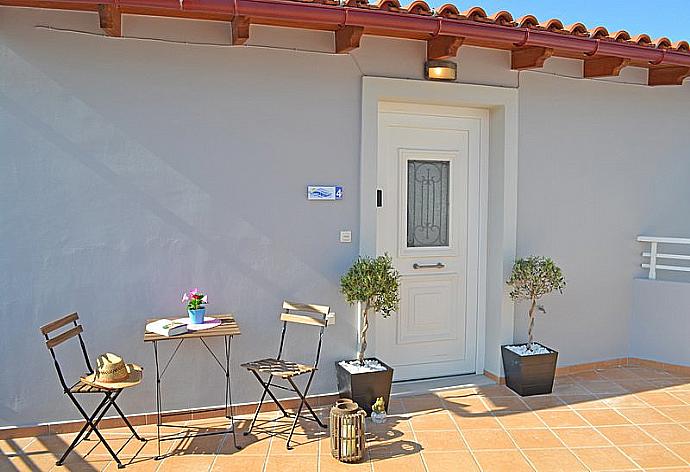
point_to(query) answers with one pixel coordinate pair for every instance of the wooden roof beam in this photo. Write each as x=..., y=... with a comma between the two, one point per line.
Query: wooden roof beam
x=672, y=75
x=604, y=66
x=240, y=29
x=110, y=18
x=443, y=47
x=529, y=57
x=347, y=38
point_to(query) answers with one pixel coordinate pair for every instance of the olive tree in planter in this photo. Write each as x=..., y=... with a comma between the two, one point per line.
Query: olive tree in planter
x=372, y=284
x=530, y=368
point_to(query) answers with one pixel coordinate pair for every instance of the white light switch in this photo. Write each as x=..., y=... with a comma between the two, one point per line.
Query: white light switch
x=346, y=236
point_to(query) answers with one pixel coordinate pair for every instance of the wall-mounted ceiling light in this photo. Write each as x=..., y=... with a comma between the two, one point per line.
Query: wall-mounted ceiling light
x=440, y=70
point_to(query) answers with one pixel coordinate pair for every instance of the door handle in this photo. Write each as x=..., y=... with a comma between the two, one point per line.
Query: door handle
x=438, y=265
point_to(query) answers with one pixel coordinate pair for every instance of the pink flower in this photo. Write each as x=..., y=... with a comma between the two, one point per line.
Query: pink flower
x=185, y=298
x=194, y=291
x=205, y=299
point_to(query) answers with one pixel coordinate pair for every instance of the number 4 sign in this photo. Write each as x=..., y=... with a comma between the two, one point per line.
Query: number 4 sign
x=324, y=192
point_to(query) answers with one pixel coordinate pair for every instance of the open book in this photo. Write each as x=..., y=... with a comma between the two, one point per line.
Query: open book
x=167, y=327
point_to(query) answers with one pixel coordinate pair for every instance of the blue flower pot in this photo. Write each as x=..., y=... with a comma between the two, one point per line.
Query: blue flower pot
x=197, y=316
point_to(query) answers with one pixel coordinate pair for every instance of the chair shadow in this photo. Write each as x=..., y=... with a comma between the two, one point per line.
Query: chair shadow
x=52, y=445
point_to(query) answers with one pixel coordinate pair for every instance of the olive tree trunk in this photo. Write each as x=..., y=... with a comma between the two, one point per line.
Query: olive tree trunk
x=532, y=316
x=364, y=326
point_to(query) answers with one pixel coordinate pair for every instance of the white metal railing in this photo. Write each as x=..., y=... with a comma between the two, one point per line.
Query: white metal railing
x=654, y=255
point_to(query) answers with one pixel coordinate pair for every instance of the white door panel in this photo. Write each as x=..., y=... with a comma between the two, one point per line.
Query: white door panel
x=428, y=171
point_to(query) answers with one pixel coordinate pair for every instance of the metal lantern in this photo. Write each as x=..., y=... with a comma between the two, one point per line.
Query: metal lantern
x=347, y=431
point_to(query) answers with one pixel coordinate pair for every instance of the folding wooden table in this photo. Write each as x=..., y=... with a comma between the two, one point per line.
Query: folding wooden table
x=227, y=329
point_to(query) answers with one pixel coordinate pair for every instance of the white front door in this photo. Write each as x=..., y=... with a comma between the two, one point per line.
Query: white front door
x=428, y=222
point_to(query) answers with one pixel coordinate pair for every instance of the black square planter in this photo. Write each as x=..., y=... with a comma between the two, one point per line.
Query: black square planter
x=529, y=375
x=365, y=387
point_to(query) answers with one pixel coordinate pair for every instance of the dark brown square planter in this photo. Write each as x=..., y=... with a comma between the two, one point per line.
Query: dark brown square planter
x=529, y=375
x=365, y=387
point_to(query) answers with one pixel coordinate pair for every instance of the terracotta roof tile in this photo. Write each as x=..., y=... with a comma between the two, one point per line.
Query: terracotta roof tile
x=419, y=7
x=620, y=36
x=554, y=24
x=642, y=40
x=505, y=19
x=448, y=11
x=577, y=29
x=662, y=43
x=599, y=33
x=476, y=14
x=528, y=21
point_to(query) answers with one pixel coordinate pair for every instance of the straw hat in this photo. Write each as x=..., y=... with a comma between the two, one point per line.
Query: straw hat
x=113, y=373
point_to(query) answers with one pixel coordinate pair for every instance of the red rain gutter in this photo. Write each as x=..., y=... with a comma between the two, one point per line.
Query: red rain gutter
x=318, y=14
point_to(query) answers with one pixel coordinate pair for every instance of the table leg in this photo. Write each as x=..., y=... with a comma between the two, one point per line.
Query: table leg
x=158, y=400
x=228, y=390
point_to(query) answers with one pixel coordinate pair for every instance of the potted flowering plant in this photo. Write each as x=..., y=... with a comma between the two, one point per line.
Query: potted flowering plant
x=372, y=284
x=196, y=305
x=530, y=368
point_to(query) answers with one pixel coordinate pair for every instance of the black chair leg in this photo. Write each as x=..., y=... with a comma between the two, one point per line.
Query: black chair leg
x=267, y=390
x=108, y=400
x=87, y=426
x=129, y=425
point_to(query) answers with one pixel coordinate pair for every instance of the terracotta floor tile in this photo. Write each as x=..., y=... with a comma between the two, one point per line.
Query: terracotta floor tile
x=535, y=438
x=301, y=445
x=252, y=445
x=605, y=386
x=236, y=462
x=475, y=421
x=667, y=433
x=603, y=459
x=419, y=403
x=440, y=440
x=603, y=417
x=652, y=455
x=505, y=404
x=569, y=389
x=478, y=439
x=411, y=463
x=287, y=463
x=133, y=464
x=561, y=418
x=495, y=391
x=587, y=376
x=185, y=463
x=619, y=373
x=526, y=419
x=683, y=450
x=502, y=461
x=554, y=460
x=681, y=414
x=588, y=402
x=433, y=422
x=458, y=461
x=635, y=386
x=660, y=399
x=396, y=448
x=682, y=395
x=625, y=435
x=580, y=437
x=466, y=405
x=545, y=402
x=644, y=415
x=329, y=464
x=625, y=401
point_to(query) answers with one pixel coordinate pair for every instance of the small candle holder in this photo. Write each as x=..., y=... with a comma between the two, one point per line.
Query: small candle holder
x=347, y=422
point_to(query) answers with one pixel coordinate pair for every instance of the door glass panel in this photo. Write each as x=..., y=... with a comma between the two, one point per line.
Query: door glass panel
x=427, y=203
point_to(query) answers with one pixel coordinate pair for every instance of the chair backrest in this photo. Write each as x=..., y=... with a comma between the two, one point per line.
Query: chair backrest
x=54, y=340
x=309, y=314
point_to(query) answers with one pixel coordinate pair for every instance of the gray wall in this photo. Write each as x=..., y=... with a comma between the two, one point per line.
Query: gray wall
x=660, y=321
x=133, y=170
x=600, y=163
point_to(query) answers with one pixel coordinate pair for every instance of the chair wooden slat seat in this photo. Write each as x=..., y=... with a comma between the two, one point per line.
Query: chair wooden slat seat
x=278, y=368
x=81, y=387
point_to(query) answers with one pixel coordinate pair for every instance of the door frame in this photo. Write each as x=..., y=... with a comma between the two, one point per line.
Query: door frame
x=501, y=135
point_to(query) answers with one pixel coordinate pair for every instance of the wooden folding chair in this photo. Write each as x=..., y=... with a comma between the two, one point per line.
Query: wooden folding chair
x=110, y=395
x=299, y=313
